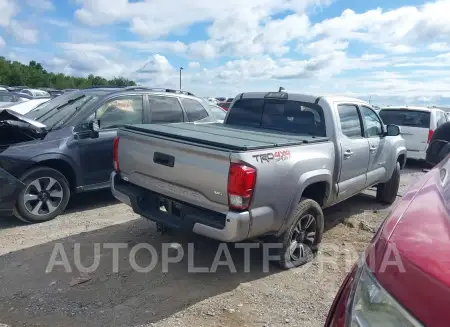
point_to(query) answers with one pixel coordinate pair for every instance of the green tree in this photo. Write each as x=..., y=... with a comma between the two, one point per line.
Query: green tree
x=14, y=73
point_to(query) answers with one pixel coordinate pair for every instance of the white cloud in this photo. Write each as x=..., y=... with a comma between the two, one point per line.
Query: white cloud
x=203, y=50
x=322, y=46
x=2, y=42
x=267, y=43
x=237, y=29
x=83, y=63
x=194, y=65
x=8, y=9
x=155, y=46
x=41, y=4
x=59, y=23
x=399, y=31
x=22, y=33
x=158, y=72
x=88, y=47
x=439, y=46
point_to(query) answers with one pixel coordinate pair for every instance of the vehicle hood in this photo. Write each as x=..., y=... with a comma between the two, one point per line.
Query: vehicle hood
x=10, y=115
x=417, y=235
x=6, y=104
x=13, y=123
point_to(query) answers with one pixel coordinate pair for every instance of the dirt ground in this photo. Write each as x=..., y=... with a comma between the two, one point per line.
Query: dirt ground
x=300, y=297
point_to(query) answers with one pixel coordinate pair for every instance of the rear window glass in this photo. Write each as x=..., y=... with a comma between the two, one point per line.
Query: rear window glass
x=413, y=118
x=288, y=116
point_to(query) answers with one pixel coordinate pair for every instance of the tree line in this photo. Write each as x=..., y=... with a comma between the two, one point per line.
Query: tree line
x=14, y=73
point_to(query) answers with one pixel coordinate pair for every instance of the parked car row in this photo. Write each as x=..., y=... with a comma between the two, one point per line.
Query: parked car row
x=65, y=145
x=265, y=168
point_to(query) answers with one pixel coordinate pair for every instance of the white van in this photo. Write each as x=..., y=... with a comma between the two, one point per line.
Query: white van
x=417, y=125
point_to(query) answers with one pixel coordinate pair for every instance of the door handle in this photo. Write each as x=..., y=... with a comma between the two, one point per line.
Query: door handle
x=373, y=148
x=348, y=153
x=163, y=159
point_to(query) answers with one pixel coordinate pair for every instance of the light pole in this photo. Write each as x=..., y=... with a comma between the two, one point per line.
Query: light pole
x=181, y=68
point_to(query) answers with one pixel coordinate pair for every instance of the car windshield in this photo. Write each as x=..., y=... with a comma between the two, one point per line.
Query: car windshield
x=5, y=97
x=406, y=117
x=217, y=112
x=56, y=111
x=288, y=116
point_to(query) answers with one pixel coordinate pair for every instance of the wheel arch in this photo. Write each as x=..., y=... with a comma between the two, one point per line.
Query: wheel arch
x=401, y=158
x=61, y=163
x=315, y=185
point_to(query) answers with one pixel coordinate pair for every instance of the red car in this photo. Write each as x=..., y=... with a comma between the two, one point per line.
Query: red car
x=403, y=278
x=224, y=105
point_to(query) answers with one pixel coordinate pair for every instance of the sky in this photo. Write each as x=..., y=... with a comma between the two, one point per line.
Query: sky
x=385, y=51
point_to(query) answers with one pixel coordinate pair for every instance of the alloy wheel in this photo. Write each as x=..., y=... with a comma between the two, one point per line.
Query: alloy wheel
x=43, y=196
x=303, y=238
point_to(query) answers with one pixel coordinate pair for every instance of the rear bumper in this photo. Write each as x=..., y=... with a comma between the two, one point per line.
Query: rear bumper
x=417, y=155
x=229, y=227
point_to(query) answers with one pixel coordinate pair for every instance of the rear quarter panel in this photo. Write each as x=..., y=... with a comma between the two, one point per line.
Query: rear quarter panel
x=281, y=180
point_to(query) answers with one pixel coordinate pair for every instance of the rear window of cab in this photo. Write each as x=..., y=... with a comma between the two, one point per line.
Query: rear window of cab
x=287, y=116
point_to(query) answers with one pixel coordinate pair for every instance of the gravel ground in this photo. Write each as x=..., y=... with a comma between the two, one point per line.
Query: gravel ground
x=300, y=297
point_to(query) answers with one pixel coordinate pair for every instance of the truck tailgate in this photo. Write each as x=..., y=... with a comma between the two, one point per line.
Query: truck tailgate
x=185, y=172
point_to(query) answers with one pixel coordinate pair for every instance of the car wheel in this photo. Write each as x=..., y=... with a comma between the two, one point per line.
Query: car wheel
x=44, y=197
x=387, y=192
x=300, y=241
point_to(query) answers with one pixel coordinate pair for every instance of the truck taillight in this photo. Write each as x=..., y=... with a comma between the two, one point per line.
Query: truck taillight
x=116, y=154
x=430, y=135
x=241, y=184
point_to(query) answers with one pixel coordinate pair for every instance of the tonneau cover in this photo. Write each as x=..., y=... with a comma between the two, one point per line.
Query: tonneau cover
x=230, y=137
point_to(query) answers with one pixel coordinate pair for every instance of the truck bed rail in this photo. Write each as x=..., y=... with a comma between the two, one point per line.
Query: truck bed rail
x=228, y=137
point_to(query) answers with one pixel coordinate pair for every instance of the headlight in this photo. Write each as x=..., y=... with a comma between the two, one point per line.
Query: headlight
x=371, y=306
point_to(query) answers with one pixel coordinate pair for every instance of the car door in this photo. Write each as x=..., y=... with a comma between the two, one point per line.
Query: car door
x=354, y=150
x=96, y=153
x=165, y=109
x=373, y=130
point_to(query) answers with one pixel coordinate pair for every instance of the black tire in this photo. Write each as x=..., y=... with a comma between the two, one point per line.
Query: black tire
x=23, y=209
x=387, y=192
x=304, y=208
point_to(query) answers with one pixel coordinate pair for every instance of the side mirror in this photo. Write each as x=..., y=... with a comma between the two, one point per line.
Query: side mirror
x=392, y=130
x=94, y=128
x=94, y=125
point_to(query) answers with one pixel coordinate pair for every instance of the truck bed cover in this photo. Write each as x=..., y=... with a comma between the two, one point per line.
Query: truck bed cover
x=228, y=137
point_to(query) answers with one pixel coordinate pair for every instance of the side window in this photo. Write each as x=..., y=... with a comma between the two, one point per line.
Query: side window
x=373, y=123
x=126, y=110
x=350, y=122
x=165, y=110
x=441, y=118
x=194, y=109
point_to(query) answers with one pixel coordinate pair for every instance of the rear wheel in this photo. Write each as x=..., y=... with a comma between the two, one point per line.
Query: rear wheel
x=44, y=197
x=300, y=241
x=387, y=192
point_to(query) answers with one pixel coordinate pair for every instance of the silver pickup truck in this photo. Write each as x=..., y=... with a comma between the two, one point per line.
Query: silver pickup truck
x=266, y=172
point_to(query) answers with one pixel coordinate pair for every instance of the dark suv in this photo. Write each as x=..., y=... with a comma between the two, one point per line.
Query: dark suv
x=65, y=145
